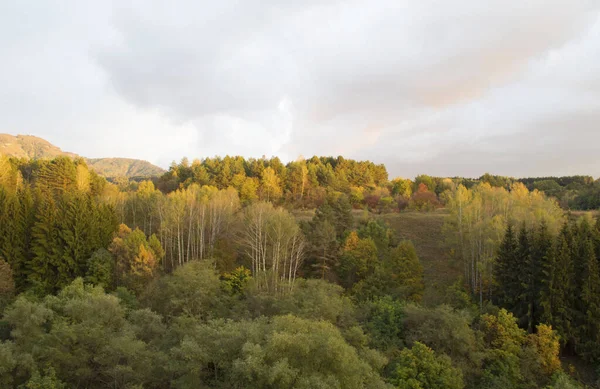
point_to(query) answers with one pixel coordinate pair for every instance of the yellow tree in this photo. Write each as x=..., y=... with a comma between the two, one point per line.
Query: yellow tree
x=270, y=185
x=478, y=220
x=82, y=178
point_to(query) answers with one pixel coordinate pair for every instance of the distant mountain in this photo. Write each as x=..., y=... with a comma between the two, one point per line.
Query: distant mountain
x=29, y=146
x=124, y=167
x=32, y=147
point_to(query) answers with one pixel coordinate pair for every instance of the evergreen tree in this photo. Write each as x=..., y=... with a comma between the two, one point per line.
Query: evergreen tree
x=506, y=270
x=45, y=245
x=13, y=244
x=580, y=254
x=77, y=240
x=323, y=247
x=523, y=278
x=559, y=299
x=589, y=331
x=539, y=269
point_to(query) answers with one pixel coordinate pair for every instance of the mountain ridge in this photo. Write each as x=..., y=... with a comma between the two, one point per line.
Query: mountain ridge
x=34, y=147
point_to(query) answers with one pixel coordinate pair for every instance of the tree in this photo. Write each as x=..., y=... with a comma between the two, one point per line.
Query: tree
x=84, y=335
x=559, y=305
x=275, y=245
x=507, y=269
x=288, y=352
x=249, y=190
x=193, y=289
x=270, y=186
x=420, y=368
x=323, y=248
x=423, y=199
x=14, y=217
x=546, y=345
x=589, y=336
x=479, y=217
x=400, y=275
x=358, y=259
x=100, y=269
x=46, y=381
x=136, y=262
x=385, y=323
x=7, y=283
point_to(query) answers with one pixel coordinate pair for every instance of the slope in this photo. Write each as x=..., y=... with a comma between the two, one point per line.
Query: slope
x=424, y=229
x=33, y=147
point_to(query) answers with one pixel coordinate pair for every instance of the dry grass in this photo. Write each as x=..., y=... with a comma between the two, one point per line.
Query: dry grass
x=424, y=229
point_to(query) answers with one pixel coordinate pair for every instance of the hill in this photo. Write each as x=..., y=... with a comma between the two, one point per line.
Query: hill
x=123, y=167
x=424, y=229
x=29, y=146
x=33, y=147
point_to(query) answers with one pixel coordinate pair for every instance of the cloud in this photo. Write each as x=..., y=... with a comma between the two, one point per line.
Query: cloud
x=428, y=86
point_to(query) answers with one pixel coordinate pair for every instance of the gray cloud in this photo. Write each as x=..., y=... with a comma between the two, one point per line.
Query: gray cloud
x=509, y=87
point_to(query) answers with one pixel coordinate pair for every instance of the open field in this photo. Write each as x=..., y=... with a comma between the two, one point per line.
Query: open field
x=424, y=229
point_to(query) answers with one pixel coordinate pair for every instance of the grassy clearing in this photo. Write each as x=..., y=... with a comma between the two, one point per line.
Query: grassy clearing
x=424, y=229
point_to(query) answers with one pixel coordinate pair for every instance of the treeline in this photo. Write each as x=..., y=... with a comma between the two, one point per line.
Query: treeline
x=554, y=278
x=305, y=183
x=572, y=192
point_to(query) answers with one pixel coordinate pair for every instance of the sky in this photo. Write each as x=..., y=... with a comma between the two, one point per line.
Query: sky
x=440, y=87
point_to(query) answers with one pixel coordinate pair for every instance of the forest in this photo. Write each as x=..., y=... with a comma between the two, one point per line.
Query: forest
x=251, y=273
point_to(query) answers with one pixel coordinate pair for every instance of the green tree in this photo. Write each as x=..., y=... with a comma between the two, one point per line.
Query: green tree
x=420, y=368
x=46, y=381
x=400, y=275
x=506, y=270
x=100, y=269
x=589, y=332
x=357, y=260
x=193, y=289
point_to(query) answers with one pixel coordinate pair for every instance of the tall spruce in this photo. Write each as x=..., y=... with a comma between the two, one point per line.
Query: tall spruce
x=506, y=270
x=523, y=277
x=13, y=245
x=45, y=248
x=589, y=331
x=540, y=274
x=561, y=294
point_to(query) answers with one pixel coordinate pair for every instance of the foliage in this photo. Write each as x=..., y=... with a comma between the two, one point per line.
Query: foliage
x=136, y=262
x=399, y=274
x=215, y=278
x=479, y=218
x=420, y=368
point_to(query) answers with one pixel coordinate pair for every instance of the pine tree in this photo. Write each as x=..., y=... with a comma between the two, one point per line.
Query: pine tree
x=523, y=278
x=560, y=293
x=44, y=245
x=589, y=332
x=539, y=273
x=324, y=247
x=12, y=235
x=580, y=253
x=506, y=270
x=76, y=236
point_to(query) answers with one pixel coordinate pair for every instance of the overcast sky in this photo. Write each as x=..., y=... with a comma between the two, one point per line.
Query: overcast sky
x=443, y=87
